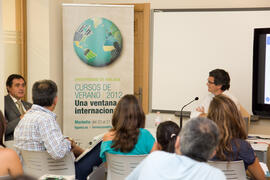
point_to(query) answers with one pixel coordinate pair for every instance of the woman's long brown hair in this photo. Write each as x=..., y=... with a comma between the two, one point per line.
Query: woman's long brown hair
x=224, y=113
x=127, y=118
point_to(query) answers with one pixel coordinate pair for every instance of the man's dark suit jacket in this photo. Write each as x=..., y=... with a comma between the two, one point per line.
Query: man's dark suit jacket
x=12, y=116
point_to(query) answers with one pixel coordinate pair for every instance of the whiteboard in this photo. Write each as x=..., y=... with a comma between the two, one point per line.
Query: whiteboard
x=187, y=44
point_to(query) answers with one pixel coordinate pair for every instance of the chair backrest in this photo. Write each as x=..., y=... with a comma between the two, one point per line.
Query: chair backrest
x=5, y=177
x=231, y=169
x=120, y=166
x=38, y=163
x=98, y=173
x=268, y=157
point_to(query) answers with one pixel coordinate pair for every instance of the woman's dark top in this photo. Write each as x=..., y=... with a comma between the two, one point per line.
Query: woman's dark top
x=245, y=153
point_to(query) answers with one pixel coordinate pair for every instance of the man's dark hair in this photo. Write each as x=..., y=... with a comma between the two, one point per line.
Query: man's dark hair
x=10, y=79
x=199, y=138
x=221, y=77
x=44, y=92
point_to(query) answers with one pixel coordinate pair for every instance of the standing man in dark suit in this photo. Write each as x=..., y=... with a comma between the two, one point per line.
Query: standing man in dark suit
x=14, y=106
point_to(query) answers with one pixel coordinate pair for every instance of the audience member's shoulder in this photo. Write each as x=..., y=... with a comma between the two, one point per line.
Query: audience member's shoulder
x=8, y=153
x=145, y=131
x=159, y=153
x=242, y=143
x=108, y=136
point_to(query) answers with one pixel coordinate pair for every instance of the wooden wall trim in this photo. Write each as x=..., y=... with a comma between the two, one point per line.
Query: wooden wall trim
x=21, y=27
x=146, y=53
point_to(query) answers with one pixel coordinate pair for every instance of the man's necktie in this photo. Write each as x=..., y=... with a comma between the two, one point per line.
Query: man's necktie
x=20, y=107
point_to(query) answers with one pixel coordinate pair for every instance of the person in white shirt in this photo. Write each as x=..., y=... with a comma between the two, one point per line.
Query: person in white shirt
x=218, y=83
x=196, y=144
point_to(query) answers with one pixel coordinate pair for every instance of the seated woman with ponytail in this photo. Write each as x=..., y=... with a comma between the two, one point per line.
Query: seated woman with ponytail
x=127, y=136
x=167, y=133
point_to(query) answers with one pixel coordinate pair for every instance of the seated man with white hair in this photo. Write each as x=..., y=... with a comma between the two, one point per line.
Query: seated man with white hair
x=196, y=144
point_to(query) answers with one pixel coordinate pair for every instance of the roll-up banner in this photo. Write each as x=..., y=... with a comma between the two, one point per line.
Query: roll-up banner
x=98, y=66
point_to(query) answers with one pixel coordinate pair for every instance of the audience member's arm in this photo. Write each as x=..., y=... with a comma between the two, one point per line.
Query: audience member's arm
x=256, y=171
x=108, y=137
x=77, y=150
x=14, y=165
x=55, y=143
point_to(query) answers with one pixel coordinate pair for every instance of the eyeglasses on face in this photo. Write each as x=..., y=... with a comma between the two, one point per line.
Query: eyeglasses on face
x=209, y=82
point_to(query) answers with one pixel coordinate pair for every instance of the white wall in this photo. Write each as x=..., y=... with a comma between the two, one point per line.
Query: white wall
x=201, y=41
x=2, y=63
x=44, y=34
x=37, y=42
x=44, y=50
x=11, y=37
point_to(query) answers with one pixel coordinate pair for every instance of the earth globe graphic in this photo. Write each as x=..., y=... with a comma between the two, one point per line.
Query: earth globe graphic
x=97, y=42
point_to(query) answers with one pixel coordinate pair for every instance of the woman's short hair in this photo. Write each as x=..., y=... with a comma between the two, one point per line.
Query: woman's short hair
x=128, y=118
x=167, y=133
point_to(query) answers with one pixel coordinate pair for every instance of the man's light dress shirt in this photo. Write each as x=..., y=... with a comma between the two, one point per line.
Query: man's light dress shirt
x=39, y=131
x=15, y=101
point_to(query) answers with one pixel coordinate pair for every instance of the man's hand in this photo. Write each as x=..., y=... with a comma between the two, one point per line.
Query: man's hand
x=200, y=109
x=77, y=150
x=21, y=116
x=72, y=142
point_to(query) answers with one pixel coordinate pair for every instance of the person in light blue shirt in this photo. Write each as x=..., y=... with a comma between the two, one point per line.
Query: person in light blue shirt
x=127, y=136
x=196, y=144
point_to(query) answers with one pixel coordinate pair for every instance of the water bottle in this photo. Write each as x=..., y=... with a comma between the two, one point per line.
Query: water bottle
x=157, y=118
